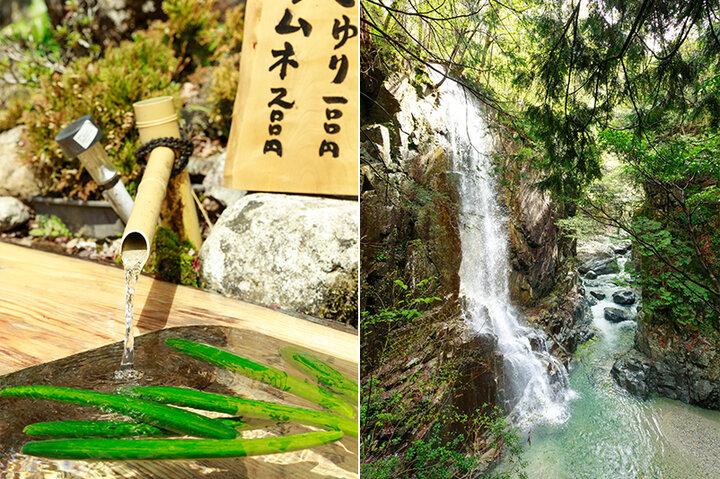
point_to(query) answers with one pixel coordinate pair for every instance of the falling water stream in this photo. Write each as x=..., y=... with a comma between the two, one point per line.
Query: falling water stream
x=132, y=263
x=535, y=382
x=581, y=425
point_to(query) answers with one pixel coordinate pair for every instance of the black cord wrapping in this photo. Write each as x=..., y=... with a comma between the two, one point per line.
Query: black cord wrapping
x=182, y=147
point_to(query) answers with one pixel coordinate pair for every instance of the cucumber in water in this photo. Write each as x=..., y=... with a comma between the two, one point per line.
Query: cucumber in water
x=149, y=412
x=242, y=407
x=324, y=374
x=153, y=449
x=269, y=375
x=107, y=429
x=81, y=429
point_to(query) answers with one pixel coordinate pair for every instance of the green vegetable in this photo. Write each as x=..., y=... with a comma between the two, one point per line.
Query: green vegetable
x=81, y=429
x=174, y=448
x=160, y=415
x=266, y=374
x=324, y=374
x=242, y=407
x=92, y=429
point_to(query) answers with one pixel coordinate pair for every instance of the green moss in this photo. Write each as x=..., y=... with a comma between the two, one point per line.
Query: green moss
x=106, y=89
x=341, y=302
x=174, y=260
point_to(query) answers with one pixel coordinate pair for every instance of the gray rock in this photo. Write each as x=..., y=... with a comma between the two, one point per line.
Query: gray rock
x=631, y=373
x=213, y=183
x=616, y=315
x=600, y=266
x=592, y=300
x=624, y=298
x=597, y=295
x=591, y=275
x=622, y=248
x=13, y=213
x=299, y=253
x=17, y=178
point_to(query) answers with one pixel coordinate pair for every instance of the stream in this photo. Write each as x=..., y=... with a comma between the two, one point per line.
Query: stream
x=578, y=424
x=610, y=434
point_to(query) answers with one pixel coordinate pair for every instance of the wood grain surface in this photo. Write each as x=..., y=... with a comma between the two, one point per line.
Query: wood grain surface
x=52, y=306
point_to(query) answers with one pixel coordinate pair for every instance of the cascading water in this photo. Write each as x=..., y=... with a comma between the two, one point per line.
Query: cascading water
x=536, y=383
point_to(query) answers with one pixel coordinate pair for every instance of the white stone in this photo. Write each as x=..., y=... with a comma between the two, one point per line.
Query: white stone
x=213, y=184
x=280, y=250
x=17, y=178
x=13, y=213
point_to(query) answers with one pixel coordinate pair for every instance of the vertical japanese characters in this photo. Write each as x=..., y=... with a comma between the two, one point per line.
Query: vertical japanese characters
x=285, y=61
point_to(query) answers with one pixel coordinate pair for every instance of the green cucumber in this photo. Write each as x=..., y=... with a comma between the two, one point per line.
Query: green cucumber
x=109, y=429
x=266, y=374
x=325, y=375
x=242, y=407
x=92, y=429
x=149, y=412
x=151, y=449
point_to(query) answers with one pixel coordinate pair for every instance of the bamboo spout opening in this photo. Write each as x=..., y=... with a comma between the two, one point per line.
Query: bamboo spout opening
x=156, y=118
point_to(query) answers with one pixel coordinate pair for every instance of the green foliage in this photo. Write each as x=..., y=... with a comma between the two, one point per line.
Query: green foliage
x=105, y=89
x=49, y=226
x=438, y=453
x=191, y=28
x=409, y=307
x=226, y=76
x=174, y=260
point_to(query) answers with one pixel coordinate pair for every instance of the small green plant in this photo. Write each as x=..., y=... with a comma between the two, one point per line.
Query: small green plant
x=49, y=226
x=409, y=307
x=174, y=260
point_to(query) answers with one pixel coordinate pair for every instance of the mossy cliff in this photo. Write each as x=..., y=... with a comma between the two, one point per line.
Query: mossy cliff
x=420, y=364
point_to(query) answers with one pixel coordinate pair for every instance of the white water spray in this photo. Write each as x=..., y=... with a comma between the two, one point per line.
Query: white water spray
x=536, y=382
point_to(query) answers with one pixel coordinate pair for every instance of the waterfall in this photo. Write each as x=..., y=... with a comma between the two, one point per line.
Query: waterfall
x=535, y=382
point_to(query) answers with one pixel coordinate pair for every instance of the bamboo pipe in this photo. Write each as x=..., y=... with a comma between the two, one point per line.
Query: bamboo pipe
x=156, y=118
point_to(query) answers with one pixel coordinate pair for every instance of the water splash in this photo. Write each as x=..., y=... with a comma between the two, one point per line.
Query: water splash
x=536, y=382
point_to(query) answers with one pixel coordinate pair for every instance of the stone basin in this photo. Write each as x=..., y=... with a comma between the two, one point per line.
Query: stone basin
x=162, y=365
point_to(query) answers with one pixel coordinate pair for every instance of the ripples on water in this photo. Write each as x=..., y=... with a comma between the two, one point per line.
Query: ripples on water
x=611, y=435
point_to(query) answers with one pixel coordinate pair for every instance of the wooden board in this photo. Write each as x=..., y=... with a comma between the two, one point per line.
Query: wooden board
x=295, y=124
x=52, y=306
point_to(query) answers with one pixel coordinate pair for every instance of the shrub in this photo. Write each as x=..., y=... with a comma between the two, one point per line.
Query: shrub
x=105, y=89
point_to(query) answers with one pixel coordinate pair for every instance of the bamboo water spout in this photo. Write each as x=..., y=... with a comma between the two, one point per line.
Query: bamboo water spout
x=161, y=198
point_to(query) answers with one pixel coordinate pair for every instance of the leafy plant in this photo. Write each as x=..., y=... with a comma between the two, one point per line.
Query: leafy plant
x=105, y=89
x=49, y=226
x=174, y=260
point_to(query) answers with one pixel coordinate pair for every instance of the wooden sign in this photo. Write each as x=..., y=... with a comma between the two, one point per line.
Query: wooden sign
x=295, y=121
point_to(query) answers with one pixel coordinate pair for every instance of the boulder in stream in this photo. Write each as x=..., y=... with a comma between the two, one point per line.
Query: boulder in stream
x=298, y=253
x=631, y=372
x=625, y=298
x=591, y=275
x=616, y=315
x=597, y=295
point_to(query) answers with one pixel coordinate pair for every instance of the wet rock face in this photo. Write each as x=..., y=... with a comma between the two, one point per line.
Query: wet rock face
x=408, y=213
x=298, y=253
x=631, y=372
x=536, y=246
x=600, y=266
x=564, y=316
x=672, y=365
